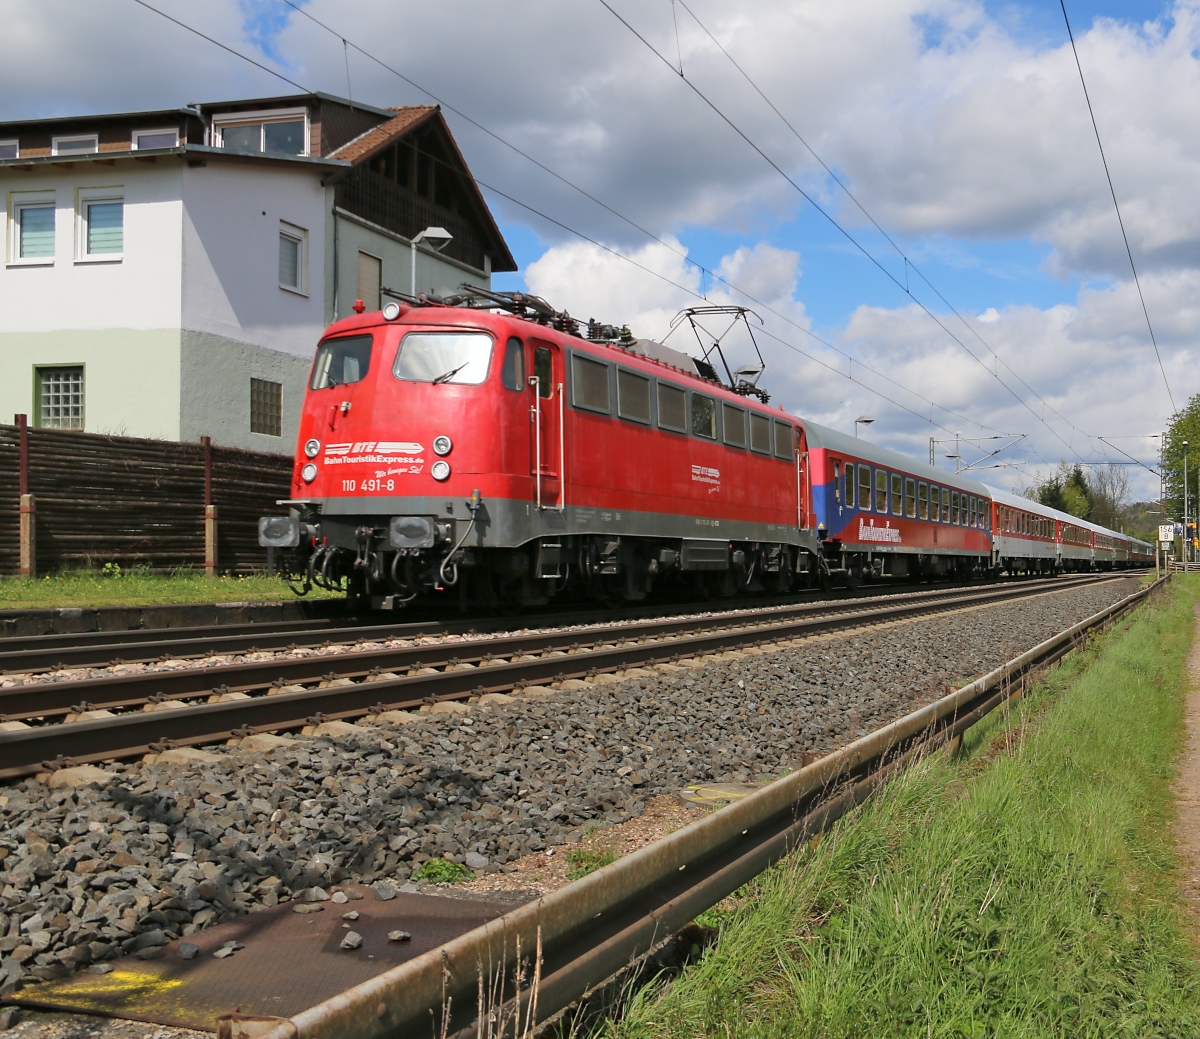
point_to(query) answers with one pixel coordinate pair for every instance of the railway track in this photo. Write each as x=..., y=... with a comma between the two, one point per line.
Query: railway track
x=40, y=653
x=192, y=706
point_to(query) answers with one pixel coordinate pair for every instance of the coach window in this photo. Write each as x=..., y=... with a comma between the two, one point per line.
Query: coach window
x=734, y=420
x=633, y=396
x=849, y=486
x=923, y=501
x=704, y=416
x=954, y=507
x=784, y=441
x=864, y=487
x=760, y=433
x=935, y=503
x=837, y=482
x=881, y=492
x=970, y=521
x=672, y=408
x=543, y=370
x=897, y=494
x=910, y=498
x=589, y=384
x=513, y=372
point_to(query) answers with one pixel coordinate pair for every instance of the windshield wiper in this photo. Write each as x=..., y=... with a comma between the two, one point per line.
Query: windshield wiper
x=447, y=376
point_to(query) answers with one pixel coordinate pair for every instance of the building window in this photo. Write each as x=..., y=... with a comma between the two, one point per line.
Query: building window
x=101, y=220
x=263, y=133
x=85, y=144
x=31, y=223
x=266, y=407
x=146, y=139
x=370, y=279
x=59, y=397
x=9, y=150
x=293, y=261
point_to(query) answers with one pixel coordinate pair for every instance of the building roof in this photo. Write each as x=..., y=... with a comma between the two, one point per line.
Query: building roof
x=402, y=121
x=156, y=113
x=293, y=99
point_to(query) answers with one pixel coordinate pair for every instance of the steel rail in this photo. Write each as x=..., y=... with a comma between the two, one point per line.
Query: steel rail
x=49, y=699
x=23, y=654
x=27, y=751
x=590, y=930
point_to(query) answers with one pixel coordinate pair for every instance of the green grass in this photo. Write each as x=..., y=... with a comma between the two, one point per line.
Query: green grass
x=1027, y=888
x=442, y=871
x=587, y=860
x=138, y=588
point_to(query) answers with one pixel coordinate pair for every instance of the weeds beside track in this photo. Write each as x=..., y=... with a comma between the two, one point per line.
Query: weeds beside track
x=1026, y=888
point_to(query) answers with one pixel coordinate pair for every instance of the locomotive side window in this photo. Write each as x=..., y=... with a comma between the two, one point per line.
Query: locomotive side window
x=923, y=501
x=897, y=494
x=543, y=369
x=341, y=361
x=513, y=372
x=849, y=486
x=589, y=384
x=671, y=408
x=704, y=416
x=783, y=440
x=760, y=433
x=444, y=357
x=734, y=420
x=910, y=498
x=881, y=491
x=864, y=487
x=633, y=396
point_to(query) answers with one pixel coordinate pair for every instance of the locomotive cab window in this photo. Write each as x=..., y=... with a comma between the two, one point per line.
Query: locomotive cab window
x=864, y=487
x=923, y=501
x=672, y=412
x=704, y=416
x=589, y=384
x=880, y=492
x=444, y=357
x=543, y=370
x=734, y=421
x=633, y=396
x=340, y=362
x=760, y=433
x=513, y=372
x=910, y=498
x=849, y=486
x=783, y=441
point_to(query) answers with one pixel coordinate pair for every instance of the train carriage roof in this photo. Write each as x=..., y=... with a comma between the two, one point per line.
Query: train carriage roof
x=855, y=449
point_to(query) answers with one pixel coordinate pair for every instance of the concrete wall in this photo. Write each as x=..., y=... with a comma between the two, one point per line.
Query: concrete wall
x=435, y=273
x=232, y=214
x=130, y=377
x=215, y=375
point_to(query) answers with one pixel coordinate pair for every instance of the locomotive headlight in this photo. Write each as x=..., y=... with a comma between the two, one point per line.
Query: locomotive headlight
x=440, y=470
x=442, y=445
x=312, y=448
x=309, y=473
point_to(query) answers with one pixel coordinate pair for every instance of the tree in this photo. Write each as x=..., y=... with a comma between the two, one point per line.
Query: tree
x=1185, y=426
x=1066, y=489
x=1109, y=487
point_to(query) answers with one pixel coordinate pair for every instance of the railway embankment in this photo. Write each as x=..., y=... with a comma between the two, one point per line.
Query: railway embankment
x=1034, y=884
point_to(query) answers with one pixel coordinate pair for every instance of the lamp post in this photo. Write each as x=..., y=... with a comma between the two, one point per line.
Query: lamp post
x=1186, y=545
x=957, y=458
x=862, y=420
x=437, y=238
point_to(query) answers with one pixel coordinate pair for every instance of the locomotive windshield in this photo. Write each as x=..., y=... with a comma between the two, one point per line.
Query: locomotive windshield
x=341, y=361
x=435, y=357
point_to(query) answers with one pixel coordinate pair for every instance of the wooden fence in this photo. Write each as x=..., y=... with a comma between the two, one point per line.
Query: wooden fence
x=91, y=499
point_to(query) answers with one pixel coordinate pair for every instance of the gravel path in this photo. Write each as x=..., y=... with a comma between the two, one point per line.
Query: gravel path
x=160, y=850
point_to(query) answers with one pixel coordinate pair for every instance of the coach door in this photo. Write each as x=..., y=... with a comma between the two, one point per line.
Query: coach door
x=803, y=479
x=547, y=418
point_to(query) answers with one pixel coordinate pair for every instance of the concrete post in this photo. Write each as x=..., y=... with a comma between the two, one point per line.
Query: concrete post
x=28, y=535
x=210, y=540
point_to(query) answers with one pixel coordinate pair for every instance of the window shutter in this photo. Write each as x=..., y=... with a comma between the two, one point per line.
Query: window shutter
x=370, y=277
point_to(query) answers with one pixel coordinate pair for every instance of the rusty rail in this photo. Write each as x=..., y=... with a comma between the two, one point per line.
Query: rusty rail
x=593, y=928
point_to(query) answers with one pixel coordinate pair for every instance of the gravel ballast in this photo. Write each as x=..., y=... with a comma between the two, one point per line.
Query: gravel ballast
x=156, y=851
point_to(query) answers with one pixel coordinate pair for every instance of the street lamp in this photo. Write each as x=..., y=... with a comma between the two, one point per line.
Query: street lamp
x=957, y=459
x=437, y=238
x=862, y=420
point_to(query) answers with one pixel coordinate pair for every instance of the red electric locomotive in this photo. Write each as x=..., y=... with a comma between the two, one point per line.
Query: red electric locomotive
x=487, y=447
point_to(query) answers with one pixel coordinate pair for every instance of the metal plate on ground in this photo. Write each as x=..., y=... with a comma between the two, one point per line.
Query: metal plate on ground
x=717, y=793
x=290, y=962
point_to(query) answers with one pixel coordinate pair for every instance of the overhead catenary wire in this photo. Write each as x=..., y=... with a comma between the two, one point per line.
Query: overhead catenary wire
x=833, y=221
x=638, y=227
x=1113, y=191
x=908, y=261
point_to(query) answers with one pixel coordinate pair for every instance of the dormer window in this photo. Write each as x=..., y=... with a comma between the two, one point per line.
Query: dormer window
x=146, y=139
x=263, y=133
x=84, y=144
x=9, y=149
